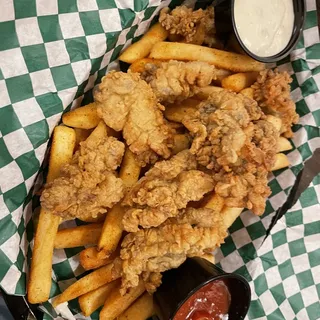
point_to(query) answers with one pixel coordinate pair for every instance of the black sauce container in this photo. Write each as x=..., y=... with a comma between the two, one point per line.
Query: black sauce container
x=180, y=284
x=224, y=16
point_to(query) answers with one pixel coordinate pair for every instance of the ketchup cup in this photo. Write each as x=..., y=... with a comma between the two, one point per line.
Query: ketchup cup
x=198, y=289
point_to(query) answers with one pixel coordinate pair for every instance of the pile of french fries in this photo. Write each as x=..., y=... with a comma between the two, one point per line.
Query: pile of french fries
x=237, y=72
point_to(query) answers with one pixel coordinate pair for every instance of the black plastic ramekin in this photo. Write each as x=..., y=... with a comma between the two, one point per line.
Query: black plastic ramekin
x=178, y=285
x=299, y=8
x=225, y=16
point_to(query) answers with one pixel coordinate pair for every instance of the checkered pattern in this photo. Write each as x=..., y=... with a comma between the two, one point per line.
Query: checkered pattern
x=284, y=271
x=51, y=55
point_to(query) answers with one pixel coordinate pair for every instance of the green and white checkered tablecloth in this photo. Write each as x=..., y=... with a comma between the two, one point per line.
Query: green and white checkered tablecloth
x=284, y=271
x=52, y=53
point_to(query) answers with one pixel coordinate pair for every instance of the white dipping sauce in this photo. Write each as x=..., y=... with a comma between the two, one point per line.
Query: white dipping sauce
x=264, y=26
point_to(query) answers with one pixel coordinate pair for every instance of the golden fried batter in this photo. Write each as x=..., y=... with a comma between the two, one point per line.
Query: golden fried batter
x=176, y=80
x=219, y=128
x=233, y=139
x=201, y=217
x=195, y=27
x=88, y=185
x=125, y=102
x=165, y=189
x=272, y=91
x=152, y=280
x=167, y=246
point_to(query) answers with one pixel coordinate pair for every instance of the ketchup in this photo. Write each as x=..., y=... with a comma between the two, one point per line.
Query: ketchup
x=211, y=302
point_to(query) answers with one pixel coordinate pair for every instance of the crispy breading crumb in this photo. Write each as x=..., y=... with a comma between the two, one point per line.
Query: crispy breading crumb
x=165, y=189
x=272, y=91
x=233, y=139
x=127, y=103
x=195, y=27
x=88, y=185
x=177, y=80
x=151, y=251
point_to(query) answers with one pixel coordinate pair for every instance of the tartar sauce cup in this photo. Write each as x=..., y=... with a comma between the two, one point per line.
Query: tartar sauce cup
x=299, y=13
x=248, y=25
x=182, y=294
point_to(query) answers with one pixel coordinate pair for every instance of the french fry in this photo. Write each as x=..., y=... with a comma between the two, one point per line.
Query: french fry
x=61, y=152
x=99, y=133
x=248, y=92
x=178, y=111
x=141, y=309
x=214, y=202
x=129, y=170
x=92, y=300
x=90, y=282
x=84, y=117
x=277, y=122
x=115, y=303
x=89, y=258
x=230, y=215
x=239, y=81
x=78, y=236
x=99, y=218
x=220, y=75
x=112, y=228
x=180, y=142
x=39, y=284
x=81, y=135
x=284, y=144
x=139, y=65
x=111, y=232
x=142, y=48
x=205, y=92
x=282, y=161
x=190, y=52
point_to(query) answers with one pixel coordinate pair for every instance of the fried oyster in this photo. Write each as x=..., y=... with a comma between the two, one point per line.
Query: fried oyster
x=148, y=252
x=272, y=92
x=233, y=138
x=127, y=103
x=190, y=26
x=177, y=80
x=88, y=185
x=165, y=189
